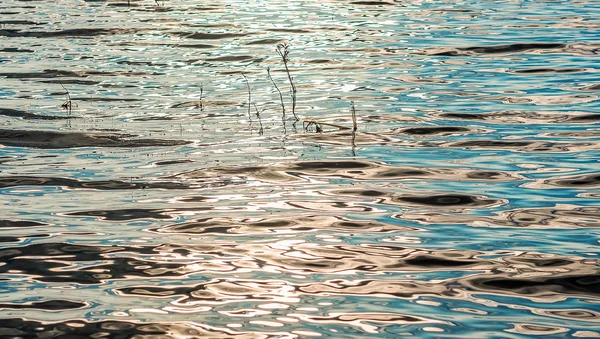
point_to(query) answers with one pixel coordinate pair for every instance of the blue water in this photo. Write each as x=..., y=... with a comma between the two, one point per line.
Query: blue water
x=147, y=194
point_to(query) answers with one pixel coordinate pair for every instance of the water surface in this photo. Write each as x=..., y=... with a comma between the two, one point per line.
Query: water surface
x=163, y=200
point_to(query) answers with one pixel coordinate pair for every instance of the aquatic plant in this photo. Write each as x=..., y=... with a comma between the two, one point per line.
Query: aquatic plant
x=249, y=96
x=260, y=131
x=284, y=52
x=307, y=123
x=280, y=95
x=318, y=125
x=200, y=103
x=354, y=124
x=68, y=104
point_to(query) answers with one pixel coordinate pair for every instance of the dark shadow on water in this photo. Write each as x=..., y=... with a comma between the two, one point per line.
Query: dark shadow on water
x=51, y=305
x=207, y=36
x=440, y=200
x=106, y=185
x=350, y=169
x=434, y=130
x=37, y=262
x=173, y=162
x=15, y=50
x=55, y=73
x=15, y=113
x=587, y=285
x=585, y=118
x=20, y=223
x=273, y=225
x=112, y=329
x=549, y=70
x=500, y=49
x=447, y=200
x=57, y=140
x=67, y=33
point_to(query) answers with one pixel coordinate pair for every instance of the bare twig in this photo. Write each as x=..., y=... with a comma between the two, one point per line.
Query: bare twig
x=283, y=51
x=68, y=104
x=354, y=128
x=249, y=96
x=354, y=124
x=260, y=132
x=319, y=125
x=201, y=93
x=280, y=95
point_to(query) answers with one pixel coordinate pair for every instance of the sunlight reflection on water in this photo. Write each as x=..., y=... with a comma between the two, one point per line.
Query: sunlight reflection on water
x=165, y=200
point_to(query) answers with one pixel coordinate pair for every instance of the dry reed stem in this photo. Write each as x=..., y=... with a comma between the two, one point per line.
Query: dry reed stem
x=261, y=131
x=280, y=95
x=201, y=94
x=68, y=104
x=249, y=96
x=283, y=51
x=354, y=124
x=311, y=122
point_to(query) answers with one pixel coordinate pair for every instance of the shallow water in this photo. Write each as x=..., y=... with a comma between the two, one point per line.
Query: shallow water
x=159, y=204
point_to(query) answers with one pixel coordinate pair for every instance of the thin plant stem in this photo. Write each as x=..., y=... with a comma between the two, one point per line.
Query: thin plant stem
x=201, y=93
x=260, y=132
x=354, y=124
x=311, y=122
x=249, y=96
x=280, y=95
x=283, y=51
x=68, y=105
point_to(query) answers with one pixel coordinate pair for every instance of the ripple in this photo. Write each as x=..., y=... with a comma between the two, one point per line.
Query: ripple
x=347, y=138
x=524, y=117
x=173, y=162
x=439, y=200
x=570, y=314
x=562, y=216
x=583, y=285
x=16, y=50
x=208, y=36
x=550, y=70
x=373, y=3
x=55, y=73
x=15, y=181
x=447, y=200
x=75, y=328
x=356, y=170
x=128, y=214
x=15, y=113
x=51, y=305
x=57, y=262
x=248, y=226
x=584, y=180
x=444, y=130
x=404, y=289
x=532, y=329
x=20, y=223
x=501, y=49
x=357, y=319
x=585, y=118
x=68, y=33
x=233, y=58
x=524, y=145
x=52, y=139
x=594, y=87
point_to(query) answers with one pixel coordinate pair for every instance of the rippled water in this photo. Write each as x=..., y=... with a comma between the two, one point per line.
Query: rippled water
x=159, y=203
